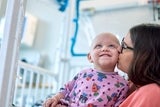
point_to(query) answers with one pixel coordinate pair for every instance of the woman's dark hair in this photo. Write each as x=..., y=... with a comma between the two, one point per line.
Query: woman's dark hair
x=145, y=67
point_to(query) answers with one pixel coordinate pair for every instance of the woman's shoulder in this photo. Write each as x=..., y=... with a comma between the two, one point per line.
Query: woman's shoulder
x=150, y=89
x=145, y=96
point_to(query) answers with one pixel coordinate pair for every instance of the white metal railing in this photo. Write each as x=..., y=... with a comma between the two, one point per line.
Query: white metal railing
x=32, y=84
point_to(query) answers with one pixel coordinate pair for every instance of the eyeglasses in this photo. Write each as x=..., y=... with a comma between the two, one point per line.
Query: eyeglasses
x=124, y=46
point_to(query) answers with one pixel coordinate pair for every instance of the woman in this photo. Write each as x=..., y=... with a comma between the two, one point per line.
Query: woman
x=140, y=58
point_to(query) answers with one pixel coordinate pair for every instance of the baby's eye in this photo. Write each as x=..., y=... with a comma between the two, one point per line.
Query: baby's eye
x=98, y=46
x=111, y=46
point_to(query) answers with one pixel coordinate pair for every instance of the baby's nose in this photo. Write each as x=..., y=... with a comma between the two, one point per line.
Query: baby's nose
x=105, y=48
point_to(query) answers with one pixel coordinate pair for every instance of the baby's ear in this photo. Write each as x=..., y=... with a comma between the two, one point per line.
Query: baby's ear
x=89, y=58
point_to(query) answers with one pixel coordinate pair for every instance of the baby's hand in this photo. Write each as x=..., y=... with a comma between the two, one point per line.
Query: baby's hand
x=51, y=102
x=60, y=105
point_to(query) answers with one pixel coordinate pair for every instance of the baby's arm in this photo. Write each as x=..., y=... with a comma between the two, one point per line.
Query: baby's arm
x=52, y=102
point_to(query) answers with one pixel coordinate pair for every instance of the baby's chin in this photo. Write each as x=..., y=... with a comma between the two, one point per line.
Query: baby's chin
x=107, y=65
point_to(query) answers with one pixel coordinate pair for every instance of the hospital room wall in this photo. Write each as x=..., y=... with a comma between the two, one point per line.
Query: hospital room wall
x=50, y=19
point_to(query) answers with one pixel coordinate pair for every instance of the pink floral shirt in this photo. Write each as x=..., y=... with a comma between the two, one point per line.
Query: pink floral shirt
x=92, y=88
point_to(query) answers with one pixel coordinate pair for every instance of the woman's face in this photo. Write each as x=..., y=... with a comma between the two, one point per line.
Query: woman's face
x=126, y=55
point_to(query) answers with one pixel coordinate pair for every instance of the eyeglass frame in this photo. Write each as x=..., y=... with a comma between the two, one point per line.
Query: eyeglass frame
x=125, y=46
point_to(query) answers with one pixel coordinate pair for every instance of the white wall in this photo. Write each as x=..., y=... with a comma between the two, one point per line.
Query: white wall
x=49, y=20
x=117, y=21
x=3, y=4
x=47, y=31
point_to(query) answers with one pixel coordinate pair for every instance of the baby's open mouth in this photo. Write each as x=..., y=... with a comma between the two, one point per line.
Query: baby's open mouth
x=105, y=55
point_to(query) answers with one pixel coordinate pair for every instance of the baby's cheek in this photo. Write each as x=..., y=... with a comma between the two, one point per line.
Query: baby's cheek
x=119, y=49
